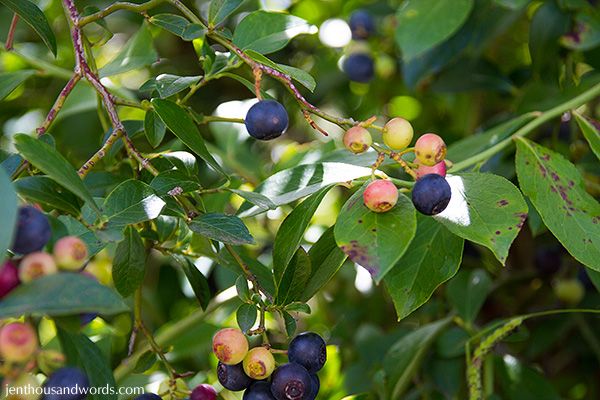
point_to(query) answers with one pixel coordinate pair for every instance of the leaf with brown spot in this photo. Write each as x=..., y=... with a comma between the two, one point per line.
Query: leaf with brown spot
x=556, y=189
x=378, y=242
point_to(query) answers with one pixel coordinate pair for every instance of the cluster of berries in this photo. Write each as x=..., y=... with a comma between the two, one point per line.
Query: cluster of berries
x=359, y=65
x=431, y=193
x=32, y=234
x=255, y=371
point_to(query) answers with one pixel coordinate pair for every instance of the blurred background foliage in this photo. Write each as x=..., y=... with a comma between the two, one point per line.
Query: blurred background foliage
x=509, y=57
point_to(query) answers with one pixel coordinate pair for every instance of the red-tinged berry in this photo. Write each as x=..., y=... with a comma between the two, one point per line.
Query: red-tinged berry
x=430, y=149
x=397, y=134
x=203, y=392
x=230, y=346
x=70, y=253
x=380, y=196
x=259, y=363
x=36, y=265
x=439, y=169
x=357, y=139
x=18, y=342
x=9, y=278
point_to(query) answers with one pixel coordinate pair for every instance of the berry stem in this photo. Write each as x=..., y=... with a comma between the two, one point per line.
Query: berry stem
x=11, y=32
x=120, y=5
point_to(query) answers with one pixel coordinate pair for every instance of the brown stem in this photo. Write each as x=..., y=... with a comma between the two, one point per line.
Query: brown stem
x=82, y=68
x=256, y=287
x=58, y=104
x=11, y=33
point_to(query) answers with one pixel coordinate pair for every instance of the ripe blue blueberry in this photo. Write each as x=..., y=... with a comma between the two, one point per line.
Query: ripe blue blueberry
x=291, y=382
x=33, y=231
x=316, y=385
x=260, y=390
x=359, y=67
x=266, y=120
x=362, y=24
x=148, y=396
x=233, y=377
x=431, y=194
x=69, y=384
x=309, y=350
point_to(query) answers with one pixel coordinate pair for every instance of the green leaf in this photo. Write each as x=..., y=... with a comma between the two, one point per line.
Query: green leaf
x=178, y=25
x=76, y=228
x=144, y=362
x=221, y=9
x=266, y=32
x=262, y=272
x=299, y=75
x=167, y=181
x=548, y=24
x=224, y=228
x=290, y=323
x=486, y=209
x=467, y=292
x=290, y=233
x=519, y=381
x=154, y=128
x=8, y=213
x=9, y=81
x=242, y=288
x=137, y=53
x=62, y=294
x=42, y=189
x=292, y=184
x=423, y=24
x=82, y=352
x=375, y=241
x=45, y=158
x=167, y=85
x=294, y=278
x=129, y=264
x=182, y=125
x=590, y=132
x=587, y=35
x=479, y=142
x=35, y=18
x=132, y=202
x=197, y=281
x=432, y=258
x=404, y=358
x=298, y=307
x=257, y=199
x=556, y=189
x=326, y=259
x=246, y=316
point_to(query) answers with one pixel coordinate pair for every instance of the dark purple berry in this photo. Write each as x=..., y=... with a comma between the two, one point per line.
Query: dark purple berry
x=309, y=350
x=361, y=24
x=68, y=383
x=204, y=392
x=33, y=231
x=148, y=396
x=233, y=377
x=316, y=385
x=266, y=120
x=431, y=194
x=260, y=390
x=359, y=67
x=9, y=278
x=291, y=382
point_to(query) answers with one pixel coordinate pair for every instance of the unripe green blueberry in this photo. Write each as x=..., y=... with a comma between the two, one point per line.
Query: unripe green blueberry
x=430, y=149
x=397, y=134
x=36, y=265
x=439, y=169
x=259, y=363
x=18, y=342
x=230, y=346
x=357, y=139
x=70, y=253
x=49, y=361
x=28, y=386
x=380, y=195
x=570, y=291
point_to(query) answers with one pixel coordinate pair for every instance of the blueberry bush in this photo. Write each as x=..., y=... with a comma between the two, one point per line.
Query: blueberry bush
x=298, y=200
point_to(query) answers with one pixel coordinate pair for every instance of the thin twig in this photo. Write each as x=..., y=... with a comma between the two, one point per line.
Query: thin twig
x=11, y=32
